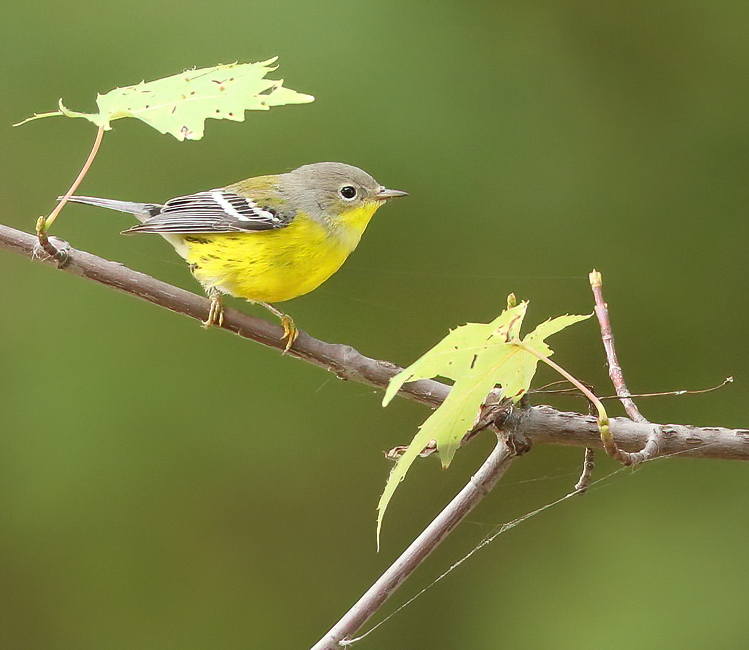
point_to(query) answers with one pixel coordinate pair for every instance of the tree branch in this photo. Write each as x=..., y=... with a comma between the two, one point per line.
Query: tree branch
x=476, y=489
x=543, y=424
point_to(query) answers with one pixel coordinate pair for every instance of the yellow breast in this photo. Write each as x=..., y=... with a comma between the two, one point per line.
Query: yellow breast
x=276, y=265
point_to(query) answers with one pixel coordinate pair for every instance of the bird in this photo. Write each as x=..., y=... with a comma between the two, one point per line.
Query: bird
x=266, y=239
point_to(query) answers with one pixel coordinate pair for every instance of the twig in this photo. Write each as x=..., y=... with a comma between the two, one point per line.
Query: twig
x=546, y=390
x=589, y=464
x=651, y=447
x=543, y=425
x=677, y=393
x=607, y=336
x=479, y=486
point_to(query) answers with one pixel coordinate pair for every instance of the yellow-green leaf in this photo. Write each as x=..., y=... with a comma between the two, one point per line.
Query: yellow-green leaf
x=478, y=357
x=180, y=104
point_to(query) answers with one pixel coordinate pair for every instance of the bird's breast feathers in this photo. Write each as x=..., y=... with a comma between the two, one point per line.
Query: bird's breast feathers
x=277, y=264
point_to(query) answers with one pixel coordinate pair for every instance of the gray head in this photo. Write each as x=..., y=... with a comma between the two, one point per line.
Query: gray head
x=326, y=189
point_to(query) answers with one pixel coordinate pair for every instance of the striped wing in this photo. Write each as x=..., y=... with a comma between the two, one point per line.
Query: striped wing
x=213, y=212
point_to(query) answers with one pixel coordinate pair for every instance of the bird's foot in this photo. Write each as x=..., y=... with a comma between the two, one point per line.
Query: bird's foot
x=215, y=312
x=290, y=331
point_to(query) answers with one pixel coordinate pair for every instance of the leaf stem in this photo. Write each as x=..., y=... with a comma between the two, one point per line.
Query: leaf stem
x=53, y=215
x=603, y=419
x=38, y=116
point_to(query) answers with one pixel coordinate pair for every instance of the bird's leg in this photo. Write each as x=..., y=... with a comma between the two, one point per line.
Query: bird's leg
x=290, y=331
x=216, y=310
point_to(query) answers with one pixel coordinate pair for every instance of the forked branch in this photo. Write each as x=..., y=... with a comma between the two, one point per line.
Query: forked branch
x=542, y=424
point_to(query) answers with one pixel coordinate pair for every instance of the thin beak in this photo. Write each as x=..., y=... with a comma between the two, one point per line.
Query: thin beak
x=384, y=194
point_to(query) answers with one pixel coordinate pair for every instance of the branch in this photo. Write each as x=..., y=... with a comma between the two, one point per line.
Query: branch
x=542, y=424
x=476, y=489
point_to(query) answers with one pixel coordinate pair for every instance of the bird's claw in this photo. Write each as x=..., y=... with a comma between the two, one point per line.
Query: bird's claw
x=215, y=313
x=290, y=332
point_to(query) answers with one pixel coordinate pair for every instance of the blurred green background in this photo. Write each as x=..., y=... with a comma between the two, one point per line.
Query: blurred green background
x=166, y=487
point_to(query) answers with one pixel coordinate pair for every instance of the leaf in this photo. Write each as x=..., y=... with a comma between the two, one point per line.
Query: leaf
x=180, y=104
x=477, y=357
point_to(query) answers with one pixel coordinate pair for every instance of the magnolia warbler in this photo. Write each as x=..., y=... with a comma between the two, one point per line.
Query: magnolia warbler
x=266, y=239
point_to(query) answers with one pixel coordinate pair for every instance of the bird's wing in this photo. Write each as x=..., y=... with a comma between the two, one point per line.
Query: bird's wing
x=214, y=211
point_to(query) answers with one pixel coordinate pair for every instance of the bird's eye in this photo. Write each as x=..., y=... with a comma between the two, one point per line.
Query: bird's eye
x=347, y=192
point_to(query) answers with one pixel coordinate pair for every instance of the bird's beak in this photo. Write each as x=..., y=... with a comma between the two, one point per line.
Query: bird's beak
x=384, y=194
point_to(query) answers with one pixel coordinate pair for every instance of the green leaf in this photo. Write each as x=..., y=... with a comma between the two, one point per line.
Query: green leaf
x=478, y=357
x=180, y=104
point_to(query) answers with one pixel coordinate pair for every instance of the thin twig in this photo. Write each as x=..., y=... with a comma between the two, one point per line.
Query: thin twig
x=589, y=464
x=476, y=489
x=678, y=393
x=652, y=445
x=543, y=424
x=546, y=390
x=607, y=336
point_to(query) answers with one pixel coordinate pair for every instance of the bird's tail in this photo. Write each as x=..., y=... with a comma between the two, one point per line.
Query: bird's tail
x=142, y=211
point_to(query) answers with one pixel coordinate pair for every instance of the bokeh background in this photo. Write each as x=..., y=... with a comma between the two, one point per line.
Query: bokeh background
x=162, y=486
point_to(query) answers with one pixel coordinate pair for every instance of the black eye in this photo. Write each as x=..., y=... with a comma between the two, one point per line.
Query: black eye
x=347, y=192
